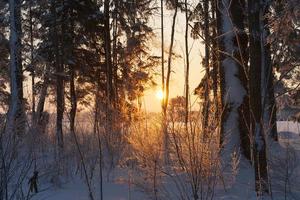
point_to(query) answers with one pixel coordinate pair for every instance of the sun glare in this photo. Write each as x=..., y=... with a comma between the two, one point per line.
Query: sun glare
x=160, y=95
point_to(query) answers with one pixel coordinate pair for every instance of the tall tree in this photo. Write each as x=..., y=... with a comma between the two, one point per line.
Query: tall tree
x=166, y=87
x=206, y=103
x=16, y=117
x=268, y=96
x=59, y=69
x=187, y=71
x=241, y=56
x=232, y=73
x=257, y=54
x=15, y=123
x=108, y=55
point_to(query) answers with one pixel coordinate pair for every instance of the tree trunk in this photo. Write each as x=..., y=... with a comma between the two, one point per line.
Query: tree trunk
x=115, y=51
x=108, y=57
x=73, y=99
x=167, y=83
x=232, y=85
x=241, y=42
x=215, y=65
x=206, y=103
x=268, y=98
x=15, y=123
x=221, y=80
x=162, y=54
x=42, y=96
x=16, y=116
x=109, y=127
x=167, y=88
x=59, y=67
x=31, y=62
x=187, y=64
x=255, y=82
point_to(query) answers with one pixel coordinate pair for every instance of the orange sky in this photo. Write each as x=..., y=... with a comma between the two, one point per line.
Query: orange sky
x=151, y=103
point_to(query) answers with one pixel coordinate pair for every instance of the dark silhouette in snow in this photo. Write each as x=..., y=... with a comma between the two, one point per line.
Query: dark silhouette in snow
x=33, y=182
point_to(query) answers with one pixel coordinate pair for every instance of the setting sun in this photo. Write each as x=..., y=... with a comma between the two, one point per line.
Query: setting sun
x=160, y=95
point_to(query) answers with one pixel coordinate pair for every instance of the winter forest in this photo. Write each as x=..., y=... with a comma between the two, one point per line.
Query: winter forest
x=149, y=99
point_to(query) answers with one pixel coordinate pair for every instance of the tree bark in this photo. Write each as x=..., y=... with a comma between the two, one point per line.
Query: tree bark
x=232, y=74
x=215, y=63
x=59, y=68
x=31, y=61
x=255, y=81
x=187, y=64
x=108, y=57
x=42, y=96
x=73, y=98
x=167, y=88
x=15, y=123
x=241, y=42
x=16, y=116
x=206, y=103
x=268, y=98
x=167, y=83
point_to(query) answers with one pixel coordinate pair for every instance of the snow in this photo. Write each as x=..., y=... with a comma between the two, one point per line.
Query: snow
x=289, y=133
x=116, y=189
x=234, y=90
x=288, y=126
x=238, y=181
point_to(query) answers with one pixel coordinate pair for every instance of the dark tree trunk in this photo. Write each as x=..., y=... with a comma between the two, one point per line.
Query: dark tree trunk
x=215, y=63
x=16, y=116
x=256, y=66
x=221, y=57
x=187, y=89
x=42, y=96
x=108, y=57
x=167, y=86
x=110, y=99
x=31, y=61
x=59, y=69
x=269, y=102
x=115, y=52
x=15, y=124
x=206, y=104
x=241, y=42
x=232, y=42
x=162, y=54
x=166, y=99
x=73, y=98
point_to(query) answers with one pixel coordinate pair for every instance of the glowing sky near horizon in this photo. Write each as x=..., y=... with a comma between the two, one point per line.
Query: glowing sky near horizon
x=152, y=104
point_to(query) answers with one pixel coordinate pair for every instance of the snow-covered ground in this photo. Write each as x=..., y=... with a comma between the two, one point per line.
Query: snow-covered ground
x=118, y=187
x=289, y=132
